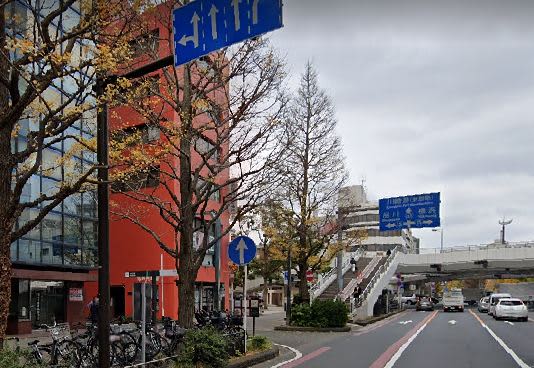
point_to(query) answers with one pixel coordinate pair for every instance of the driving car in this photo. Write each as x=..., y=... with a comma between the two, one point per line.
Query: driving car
x=511, y=308
x=494, y=299
x=424, y=304
x=483, y=305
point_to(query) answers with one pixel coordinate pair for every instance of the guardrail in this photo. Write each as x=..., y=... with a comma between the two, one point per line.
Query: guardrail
x=471, y=248
x=377, y=276
x=326, y=279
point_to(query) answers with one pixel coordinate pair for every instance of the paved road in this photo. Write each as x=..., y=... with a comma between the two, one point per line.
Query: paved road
x=412, y=340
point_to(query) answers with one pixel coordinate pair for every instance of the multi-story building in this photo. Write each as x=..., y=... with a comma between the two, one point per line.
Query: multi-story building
x=52, y=262
x=132, y=248
x=362, y=214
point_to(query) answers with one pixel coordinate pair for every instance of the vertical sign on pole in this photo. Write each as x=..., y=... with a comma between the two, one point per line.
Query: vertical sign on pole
x=242, y=251
x=245, y=302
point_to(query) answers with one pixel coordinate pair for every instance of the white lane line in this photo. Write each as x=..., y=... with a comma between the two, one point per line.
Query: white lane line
x=517, y=359
x=298, y=355
x=399, y=352
x=531, y=320
x=510, y=323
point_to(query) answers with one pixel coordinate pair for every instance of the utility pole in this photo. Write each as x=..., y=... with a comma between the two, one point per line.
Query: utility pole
x=103, y=229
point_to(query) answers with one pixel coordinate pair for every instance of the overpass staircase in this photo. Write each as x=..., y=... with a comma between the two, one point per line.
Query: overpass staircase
x=379, y=280
x=332, y=292
x=326, y=287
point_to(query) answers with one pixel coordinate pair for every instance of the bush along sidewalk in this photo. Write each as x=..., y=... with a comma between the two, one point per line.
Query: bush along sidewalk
x=205, y=347
x=321, y=314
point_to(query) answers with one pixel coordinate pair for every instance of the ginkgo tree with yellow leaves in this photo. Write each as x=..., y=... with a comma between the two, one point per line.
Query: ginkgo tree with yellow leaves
x=216, y=124
x=50, y=55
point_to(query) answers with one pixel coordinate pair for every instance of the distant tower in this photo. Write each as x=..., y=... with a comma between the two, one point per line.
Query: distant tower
x=503, y=223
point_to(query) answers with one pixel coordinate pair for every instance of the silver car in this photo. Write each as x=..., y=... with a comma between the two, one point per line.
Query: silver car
x=483, y=305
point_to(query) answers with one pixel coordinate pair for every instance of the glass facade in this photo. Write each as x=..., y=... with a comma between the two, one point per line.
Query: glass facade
x=67, y=235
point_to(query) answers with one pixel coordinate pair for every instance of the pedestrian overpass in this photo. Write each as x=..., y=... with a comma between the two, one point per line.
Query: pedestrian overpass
x=481, y=261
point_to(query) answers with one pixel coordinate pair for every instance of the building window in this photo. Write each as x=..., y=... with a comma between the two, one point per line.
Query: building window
x=203, y=186
x=139, y=134
x=146, y=44
x=138, y=180
x=206, y=148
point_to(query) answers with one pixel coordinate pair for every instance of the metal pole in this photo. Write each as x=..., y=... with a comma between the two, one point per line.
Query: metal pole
x=103, y=230
x=288, y=293
x=154, y=303
x=245, y=302
x=161, y=281
x=143, y=322
x=441, y=249
x=217, y=262
x=340, y=252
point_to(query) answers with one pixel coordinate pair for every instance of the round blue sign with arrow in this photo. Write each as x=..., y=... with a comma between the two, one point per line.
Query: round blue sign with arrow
x=242, y=250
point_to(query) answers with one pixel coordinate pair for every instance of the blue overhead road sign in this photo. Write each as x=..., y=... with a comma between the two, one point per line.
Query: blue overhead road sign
x=242, y=250
x=413, y=211
x=203, y=26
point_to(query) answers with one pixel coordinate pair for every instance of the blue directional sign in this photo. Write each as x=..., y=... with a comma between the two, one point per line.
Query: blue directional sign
x=242, y=250
x=203, y=26
x=414, y=211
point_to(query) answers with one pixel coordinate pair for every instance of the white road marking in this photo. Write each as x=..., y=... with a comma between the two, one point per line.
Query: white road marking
x=531, y=320
x=405, y=322
x=399, y=352
x=452, y=322
x=510, y=323
x=298, y=355
x=517, y=359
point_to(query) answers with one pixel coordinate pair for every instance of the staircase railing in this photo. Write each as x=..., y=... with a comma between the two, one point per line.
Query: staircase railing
x=376, y=277
x=347, y=291
x=327, y=278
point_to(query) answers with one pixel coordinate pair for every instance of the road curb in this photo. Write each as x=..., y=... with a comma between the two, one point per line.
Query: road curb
x=312, y=329
x=370, y=321
x=256, y=358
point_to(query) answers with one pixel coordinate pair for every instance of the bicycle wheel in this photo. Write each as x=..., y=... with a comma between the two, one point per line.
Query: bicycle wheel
x=130, y=348
x=68, y=354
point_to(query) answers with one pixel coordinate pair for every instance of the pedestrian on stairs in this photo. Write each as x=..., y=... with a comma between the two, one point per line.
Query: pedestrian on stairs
x=353, y=265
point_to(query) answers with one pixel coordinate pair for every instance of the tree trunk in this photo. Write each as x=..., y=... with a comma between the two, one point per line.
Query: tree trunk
x=186, y=297
x=303, y=283
x=5, y=284
x=6, y=220
x=265, y=293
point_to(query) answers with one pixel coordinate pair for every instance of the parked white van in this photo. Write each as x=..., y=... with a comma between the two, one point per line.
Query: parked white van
x=494, y=299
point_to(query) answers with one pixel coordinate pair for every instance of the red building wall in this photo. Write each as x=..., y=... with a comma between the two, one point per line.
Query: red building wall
x=131, y=248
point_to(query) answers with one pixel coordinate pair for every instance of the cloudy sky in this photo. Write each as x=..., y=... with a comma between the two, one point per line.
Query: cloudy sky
x=430, y=96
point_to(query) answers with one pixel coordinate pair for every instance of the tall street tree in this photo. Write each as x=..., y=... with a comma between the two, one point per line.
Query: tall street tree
x=217, y=122
x=313, y=171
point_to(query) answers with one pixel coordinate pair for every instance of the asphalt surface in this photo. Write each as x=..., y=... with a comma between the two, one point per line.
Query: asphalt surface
x=410, y=339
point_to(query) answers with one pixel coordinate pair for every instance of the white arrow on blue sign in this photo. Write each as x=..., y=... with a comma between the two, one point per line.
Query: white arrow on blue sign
x=203, y=26
x=242, y=250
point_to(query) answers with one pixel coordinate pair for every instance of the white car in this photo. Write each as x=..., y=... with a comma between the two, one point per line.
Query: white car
x=494, y=299
x=511, y=308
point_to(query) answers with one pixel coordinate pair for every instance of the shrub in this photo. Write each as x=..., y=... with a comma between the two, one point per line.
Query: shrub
x=258, y=343
x=203, y=348
x=17, y=359
x=322, y=313
x=301, y=315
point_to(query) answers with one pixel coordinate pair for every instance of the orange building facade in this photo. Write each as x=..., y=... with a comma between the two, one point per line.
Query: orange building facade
x=132, y=249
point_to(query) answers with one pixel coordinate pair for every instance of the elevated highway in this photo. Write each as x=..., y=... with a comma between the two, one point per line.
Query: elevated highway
x=482, y=261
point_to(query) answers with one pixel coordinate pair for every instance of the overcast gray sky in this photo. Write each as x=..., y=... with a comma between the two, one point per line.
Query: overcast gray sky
x=430, y=96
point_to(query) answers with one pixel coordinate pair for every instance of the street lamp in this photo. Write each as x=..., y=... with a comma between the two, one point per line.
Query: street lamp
x=440, y=229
